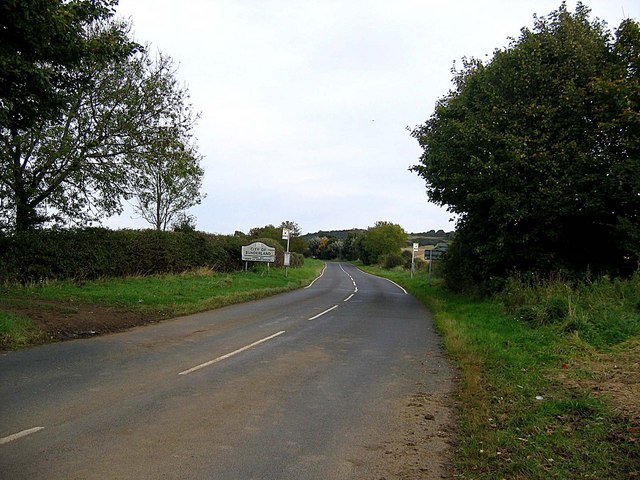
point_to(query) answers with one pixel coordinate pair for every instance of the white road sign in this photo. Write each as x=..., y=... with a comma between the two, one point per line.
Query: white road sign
x=258, y=252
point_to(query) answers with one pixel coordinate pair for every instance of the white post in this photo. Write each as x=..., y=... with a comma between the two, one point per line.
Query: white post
x=285, y=235
x=413, y=257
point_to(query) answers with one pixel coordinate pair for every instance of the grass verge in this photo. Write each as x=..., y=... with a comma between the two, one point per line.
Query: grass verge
x=67, y=306
x=528, y=407
x=17, y=331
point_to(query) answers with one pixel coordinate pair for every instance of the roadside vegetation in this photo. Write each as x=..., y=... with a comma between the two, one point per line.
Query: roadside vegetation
x=535, y=150
x=539, y=298
x=17, y=331
x=549, y=376
x=49, y=311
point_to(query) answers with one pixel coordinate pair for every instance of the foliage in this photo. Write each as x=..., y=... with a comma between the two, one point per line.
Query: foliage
x=602, y=312
x=96, y=252
x=123, y=129
x=268, y=231
x=381, y=239
x=536, y=151
x=292, y=226
x=42, y=42
x=297, y=260
x=369, y=245
x=392, y=260
x=351, y=245
x=167, y=176
x=407, y=258
x=325, y=248
x=69, y=164
x=184, y=223
x=296, y=243
x=339, y=234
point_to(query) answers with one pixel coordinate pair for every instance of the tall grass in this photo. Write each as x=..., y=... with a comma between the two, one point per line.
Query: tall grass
x=602, y=312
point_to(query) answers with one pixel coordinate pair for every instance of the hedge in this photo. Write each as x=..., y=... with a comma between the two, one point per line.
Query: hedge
x=98, y=252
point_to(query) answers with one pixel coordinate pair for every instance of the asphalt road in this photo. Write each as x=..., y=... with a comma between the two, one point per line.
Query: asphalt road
x=305, y=385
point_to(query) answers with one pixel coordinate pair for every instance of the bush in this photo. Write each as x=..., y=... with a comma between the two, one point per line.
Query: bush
x=602, y=312
x=297, y=260
x=90, y=253
x=407, y=258
x=391, y=260
x=420, y=264
x=556, y=310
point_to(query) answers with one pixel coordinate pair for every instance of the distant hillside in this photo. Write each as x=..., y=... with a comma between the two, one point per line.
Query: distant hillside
x=431, y=237
x=426, y=238
x=340, y=234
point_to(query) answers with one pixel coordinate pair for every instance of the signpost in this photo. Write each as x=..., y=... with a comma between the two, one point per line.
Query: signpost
x=413, y=258
x=258, y=252
x=286, y=233
x=435, y=253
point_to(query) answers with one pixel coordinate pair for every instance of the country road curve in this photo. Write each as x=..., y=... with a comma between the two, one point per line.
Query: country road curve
x=344, y=379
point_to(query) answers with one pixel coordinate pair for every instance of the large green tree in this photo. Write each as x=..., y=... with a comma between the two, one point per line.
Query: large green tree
x=536, y=151
x=50, y=52
x=381, y=239
x=167, y=181
x=124, y=124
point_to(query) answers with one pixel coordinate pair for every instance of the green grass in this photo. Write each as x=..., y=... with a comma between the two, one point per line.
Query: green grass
x=159, y=296
x=504, y=430
x=180, y=294
x=17, y=331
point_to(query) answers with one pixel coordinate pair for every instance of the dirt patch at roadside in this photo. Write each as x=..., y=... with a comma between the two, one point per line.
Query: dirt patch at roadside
x=617, y=377
x=427, y=422
x=66, y=320
x=425, y=450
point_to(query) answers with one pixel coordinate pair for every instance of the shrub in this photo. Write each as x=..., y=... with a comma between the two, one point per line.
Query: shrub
x=391, y=260
x=297, y=260
x=407, y=258
x=603, y=312
x=91, y=253
x=556, y=310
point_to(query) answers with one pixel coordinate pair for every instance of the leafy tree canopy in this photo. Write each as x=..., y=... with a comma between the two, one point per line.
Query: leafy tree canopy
x=293, y=227
x=381, y=239
x=296, y=243
x=41, y=43
x=537, y=151
x=268, y=231
x=121, y=125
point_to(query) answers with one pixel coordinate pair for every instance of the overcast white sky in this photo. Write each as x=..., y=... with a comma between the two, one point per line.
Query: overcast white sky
x=305, y=103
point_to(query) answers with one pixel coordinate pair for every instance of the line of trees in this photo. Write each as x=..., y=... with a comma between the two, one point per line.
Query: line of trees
x=89, y=118
x=537, y=152
x=370, y=246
